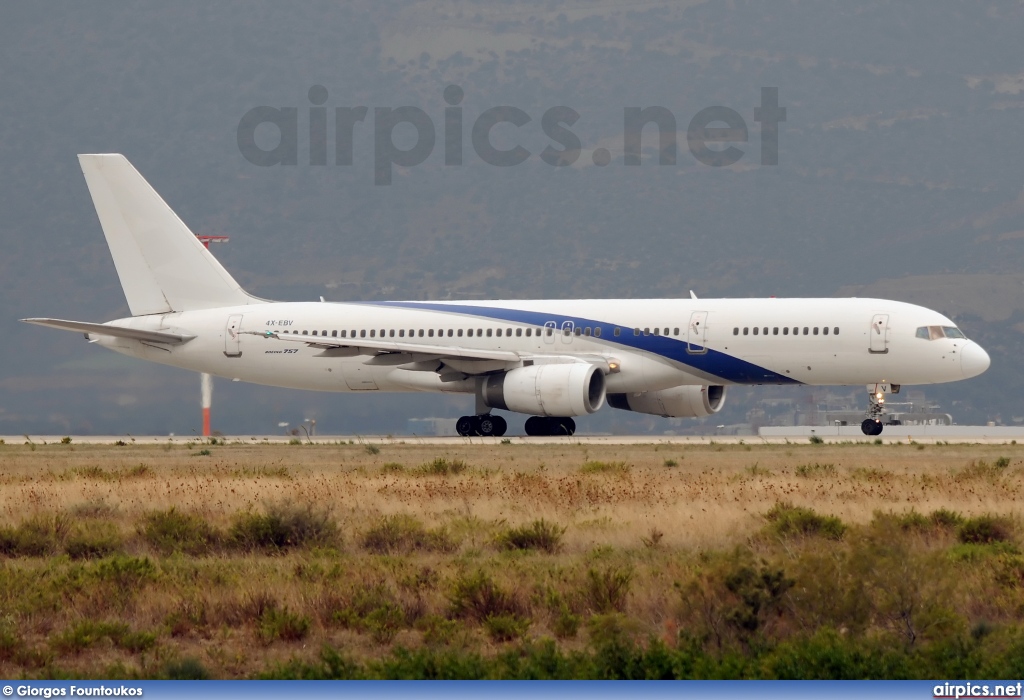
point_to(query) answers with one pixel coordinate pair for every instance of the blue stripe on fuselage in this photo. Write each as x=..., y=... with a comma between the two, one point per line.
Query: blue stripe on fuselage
x=718, y=364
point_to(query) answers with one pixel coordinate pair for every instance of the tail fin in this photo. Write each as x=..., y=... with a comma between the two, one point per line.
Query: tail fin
x=163, y=267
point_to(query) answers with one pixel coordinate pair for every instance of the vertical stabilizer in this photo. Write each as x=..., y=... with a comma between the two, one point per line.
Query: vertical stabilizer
x=162, y=266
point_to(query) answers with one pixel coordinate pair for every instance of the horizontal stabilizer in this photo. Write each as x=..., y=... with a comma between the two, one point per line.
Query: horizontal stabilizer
x=115, y=331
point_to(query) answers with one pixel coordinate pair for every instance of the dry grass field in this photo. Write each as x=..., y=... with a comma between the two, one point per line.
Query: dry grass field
x=395, y=560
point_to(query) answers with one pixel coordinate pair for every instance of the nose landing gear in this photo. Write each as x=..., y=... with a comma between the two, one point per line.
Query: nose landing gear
x=872, y=425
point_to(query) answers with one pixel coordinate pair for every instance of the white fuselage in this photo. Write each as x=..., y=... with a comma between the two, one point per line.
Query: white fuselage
x=652, y=343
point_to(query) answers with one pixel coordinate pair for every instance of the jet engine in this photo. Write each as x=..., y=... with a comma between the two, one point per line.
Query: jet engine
x=563, y=390
x=677, y=402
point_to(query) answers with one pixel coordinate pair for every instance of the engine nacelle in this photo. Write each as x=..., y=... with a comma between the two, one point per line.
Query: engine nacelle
x=573, y=389
x=677, y=402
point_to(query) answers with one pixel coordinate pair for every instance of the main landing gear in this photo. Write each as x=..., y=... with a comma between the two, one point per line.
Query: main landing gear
x=539, y=425
x=485, y=425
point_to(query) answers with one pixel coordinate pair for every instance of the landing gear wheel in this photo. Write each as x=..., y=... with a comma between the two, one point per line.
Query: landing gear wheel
x=535, y=425
x=466, y=426
x=538, y=425
x=870, y=426
x=500, y=426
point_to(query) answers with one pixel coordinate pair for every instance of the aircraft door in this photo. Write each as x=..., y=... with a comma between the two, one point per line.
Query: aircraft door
x=879, y=334
x=232, y=339
x=697, y=333
x=568, y=328
x=549, y=332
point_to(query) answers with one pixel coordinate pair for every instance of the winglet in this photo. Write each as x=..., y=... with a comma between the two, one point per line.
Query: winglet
x=692, y=295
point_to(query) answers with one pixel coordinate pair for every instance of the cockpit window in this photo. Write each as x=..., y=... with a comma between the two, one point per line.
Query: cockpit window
x=936, y=332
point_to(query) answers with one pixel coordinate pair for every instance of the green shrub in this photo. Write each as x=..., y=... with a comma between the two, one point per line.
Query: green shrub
x=404, y=533
x=506, y=627
x=945, y=518
x=186, y=669
x=1002, y=462
x=815, y=440
x=280, y=623
x=539, y=534
x=476, y=597
x=373, y=609
x=174, y=531
x=816, y=470
x=566, y=624
x=607, y=589
x=283, y=526
x=37, y=536
x=96, y=540
x=372, y=450
x=87, y=633
x=671, y=463
x=595, y=467
x=126, y=573
x=392, y=468
x=787, y=520
x=442, y=466
x=985, y=529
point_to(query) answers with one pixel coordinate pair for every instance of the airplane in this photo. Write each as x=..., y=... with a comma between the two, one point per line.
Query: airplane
x=550, y=359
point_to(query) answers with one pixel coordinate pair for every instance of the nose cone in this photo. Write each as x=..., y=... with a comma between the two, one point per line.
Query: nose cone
x=973, y=360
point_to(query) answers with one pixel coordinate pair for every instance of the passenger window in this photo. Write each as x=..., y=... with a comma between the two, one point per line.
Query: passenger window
x=391, y=333
x=806, y=329
x=381, y=332
x=579, y=331
x=636, y=331
x=825, y=330
x=735, y=331
x=766, y=330
x=508, y=332
x=314, y=332
x=323, y=333
x=835, y=331
x=430, y=332
x=460, y=333
x=746, y=330
x=647, y=331
x=373, y=333
x=401, y=332
x=362, y=334
x=675, y=331
x=597, y=332
x=529, y=332
x=656, y=331
x=617, y=332
x=479, y=332
x=666, y=332
x=420, y=332
x=488, y=332
x=775, y=331
x=334, y=334
x=343, y=334
x=586, y=331
x=785, y=330
x=756, y=329
x=519, y=333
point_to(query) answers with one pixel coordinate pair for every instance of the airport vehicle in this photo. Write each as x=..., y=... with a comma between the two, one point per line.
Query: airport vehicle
x=550, y=359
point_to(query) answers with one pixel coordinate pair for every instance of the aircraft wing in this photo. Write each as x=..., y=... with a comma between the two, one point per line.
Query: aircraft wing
x=115, y=331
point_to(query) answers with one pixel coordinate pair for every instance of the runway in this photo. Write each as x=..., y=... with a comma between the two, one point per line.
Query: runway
x=768, y=436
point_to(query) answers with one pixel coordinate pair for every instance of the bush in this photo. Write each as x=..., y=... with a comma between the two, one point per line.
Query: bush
x=404, y=533
x=985, y=529
x=174, y=531
x=607, y=589
x=36, y=537
x=816, y=470
x=539, y=534
x=392, y=468
x=98, y=540
x=375, y=610
x=594, y=467
x=283, y=526
x=505, y=628
x=280, y=623
x=477, y=597
x=815, y=440
x=787, y=520
x=187, y=669
x=442, y=466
